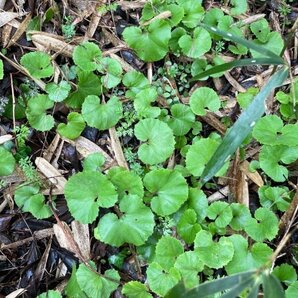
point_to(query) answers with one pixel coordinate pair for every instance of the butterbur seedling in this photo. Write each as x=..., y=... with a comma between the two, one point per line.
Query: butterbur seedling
x=244, y=99
x=169, y=190
x=222, y=251
x=159, y=141
x=101, y=116
x=189, y=265
x=126, y=182
x=88, y=84
x=197, y=45
x=95, y=285
x=50, y=294
x=58, y=92
x=38, y=64
x=241, y=214
x=112, y=71
x=36, y=112
x=270, y=130
x=220, y=212
x=94, y=162
x=193, y=12
x=240, y=7
x=188, y=226
x=142, y=104
x=285, y=273
x=272, y=159
x=167, y=250
x=160, y=280
x=135, y=82
x=199, y=154
x=247, y=258
x=87, y=56
x=74, y=127
x=274, y=198
x=151, y=43
x=202, y=98
x=134, y=225
x=292, y=290
x=87, y=191
x=7, y=162
x=261, y=30
x=31, y=200
x=197, y=201
x=263, y=226
x=1, y=70
x=135, y=289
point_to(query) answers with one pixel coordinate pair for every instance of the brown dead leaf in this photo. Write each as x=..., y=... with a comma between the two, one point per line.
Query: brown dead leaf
x=7, y=16
x=255, y=177
x=82, y=237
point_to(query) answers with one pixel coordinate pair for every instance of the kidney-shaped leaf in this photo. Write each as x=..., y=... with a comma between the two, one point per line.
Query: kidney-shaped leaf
x=7, y=162
x=101, y=116
x=134, y=226
x=73, y=128
x=159, y=140
x=150, y=44
x=87, y=191
x=169, y=190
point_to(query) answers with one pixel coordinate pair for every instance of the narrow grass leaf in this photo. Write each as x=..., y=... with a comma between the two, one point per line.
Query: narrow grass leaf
x=237, y=63
x=237, y=39
x=242, y=127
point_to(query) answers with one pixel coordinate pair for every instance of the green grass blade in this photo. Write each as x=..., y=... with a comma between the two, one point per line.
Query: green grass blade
x=242, y=41
x=242, y=127
x=237, y=63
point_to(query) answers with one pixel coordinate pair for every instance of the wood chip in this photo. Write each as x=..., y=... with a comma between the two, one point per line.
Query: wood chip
x=22, y=28
x=117, y=149
x=7, y=16
x=131, y=4
x=5, y=138
x=234, y=83
x=50, y=172
x=212, y=120
x=82, y=237
x=49, y=152
x=221, y=194
x=253, y=176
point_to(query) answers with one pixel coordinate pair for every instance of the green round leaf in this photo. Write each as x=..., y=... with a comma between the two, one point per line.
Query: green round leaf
x=263, y=226
x=270, y=158
x=112, y=70
x=101, y=116
x=274, y=198
x=135, y=289
x=87, y=55
x=87, y=191
x=240, y=216
x=30, y=200
x=261, y=30
x=213, y=254
x=1, y=70
x=142, y=103
x=202, y=98
x=193, y=12
x=50, y=294
x=95, y=285
x=285, y=273
x=93, y=162
x=134, y=226
x=159, y=140
x=292, y=290
x=182, y=119
x=189, y=265
x=89, y=84
x=36, y=112
x=126, y=182
x=161, y=281
x=188, y=226
x=196, y=46
x=38, y=64
x=150, y=44
x=199, y=154
x=135, y=81
x=240, y=7
x=7, y=162
x=245, y=258
x=58, y=92
x=167, y=250
x=221, y=213
x=197, y=200
x=73, y=128
x=169, y=190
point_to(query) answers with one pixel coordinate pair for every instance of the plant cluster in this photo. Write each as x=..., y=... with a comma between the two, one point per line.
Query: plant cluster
x=161, y=209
